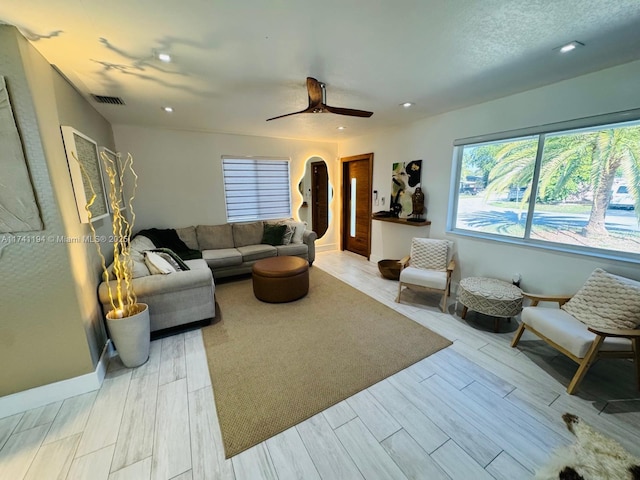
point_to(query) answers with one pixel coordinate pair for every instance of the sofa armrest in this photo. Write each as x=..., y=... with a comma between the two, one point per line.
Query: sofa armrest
x=309, y=237
x=160, y=284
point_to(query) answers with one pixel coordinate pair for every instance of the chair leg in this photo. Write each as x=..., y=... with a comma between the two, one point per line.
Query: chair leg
x=518, y=334
x=444, y=302
x=588, y=359
x=399, y=292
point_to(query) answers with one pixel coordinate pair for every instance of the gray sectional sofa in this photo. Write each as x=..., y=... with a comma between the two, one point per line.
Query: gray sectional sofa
x=185, y=297
x=232, y=248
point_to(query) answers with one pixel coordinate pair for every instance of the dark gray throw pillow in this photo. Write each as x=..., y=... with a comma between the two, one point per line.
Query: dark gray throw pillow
x=273, y=234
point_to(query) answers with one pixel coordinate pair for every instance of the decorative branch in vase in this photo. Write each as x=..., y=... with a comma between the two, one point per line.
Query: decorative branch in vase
x=128, y=320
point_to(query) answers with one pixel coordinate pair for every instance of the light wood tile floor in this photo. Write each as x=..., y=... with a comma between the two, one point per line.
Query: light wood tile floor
x=478, y=409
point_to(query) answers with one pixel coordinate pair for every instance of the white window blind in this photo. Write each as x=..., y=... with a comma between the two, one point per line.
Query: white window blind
x=256, y=189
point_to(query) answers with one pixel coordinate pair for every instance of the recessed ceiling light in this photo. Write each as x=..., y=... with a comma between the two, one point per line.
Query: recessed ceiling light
x=168, y=109
x=341, y=127
x=406, y=104
x=164, y=57
x=570, y=46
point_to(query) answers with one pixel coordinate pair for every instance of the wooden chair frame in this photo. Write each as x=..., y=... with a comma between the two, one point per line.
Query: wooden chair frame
x=447, y=289
x=594, y=352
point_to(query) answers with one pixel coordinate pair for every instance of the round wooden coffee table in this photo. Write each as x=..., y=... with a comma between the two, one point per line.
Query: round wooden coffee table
x=491, y=297
x=280, y=279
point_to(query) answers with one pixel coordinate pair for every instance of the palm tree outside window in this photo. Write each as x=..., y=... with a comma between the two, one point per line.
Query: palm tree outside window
x=555, y=189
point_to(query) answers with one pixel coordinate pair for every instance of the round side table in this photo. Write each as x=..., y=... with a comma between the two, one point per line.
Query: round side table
x=491, y=297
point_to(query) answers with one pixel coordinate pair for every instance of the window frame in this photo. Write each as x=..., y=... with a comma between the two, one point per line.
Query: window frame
x=540, y=131
x=236, y=218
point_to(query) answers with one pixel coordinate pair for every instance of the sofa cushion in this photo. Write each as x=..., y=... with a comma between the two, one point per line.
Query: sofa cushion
x=222, y=257
x=197, y=264
x=606, y=301
x=293, y=249
x=247, y=233
x=138, y=269
x=256, y=252
x=273, y=234
x=138, y=245
x=189, y=237
x=211, y=237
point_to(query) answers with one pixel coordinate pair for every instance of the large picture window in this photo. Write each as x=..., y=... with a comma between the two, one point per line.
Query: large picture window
x=576, y=189
x=256, y=189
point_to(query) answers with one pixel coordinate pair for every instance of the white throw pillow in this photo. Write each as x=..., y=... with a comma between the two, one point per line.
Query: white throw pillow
x=606, y=301
x=156, y=264
x=300, y=227
x=429, y=254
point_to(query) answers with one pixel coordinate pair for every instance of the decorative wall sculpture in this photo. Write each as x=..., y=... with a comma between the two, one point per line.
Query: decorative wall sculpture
x=18, y=208
x=84, y=161
x=404, y=181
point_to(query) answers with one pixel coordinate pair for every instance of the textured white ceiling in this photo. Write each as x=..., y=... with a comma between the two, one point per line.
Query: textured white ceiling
x=237, y=63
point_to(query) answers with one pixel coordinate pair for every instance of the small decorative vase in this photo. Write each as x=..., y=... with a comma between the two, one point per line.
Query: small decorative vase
x=131, y=335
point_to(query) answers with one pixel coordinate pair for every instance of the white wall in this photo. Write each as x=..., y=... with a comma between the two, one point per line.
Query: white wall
x=431, y=140
x=180, y=173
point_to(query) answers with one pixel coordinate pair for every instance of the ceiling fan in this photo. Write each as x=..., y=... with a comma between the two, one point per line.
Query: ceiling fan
x=317, y=103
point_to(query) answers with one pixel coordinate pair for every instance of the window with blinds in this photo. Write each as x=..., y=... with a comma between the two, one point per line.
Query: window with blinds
x=256, y=189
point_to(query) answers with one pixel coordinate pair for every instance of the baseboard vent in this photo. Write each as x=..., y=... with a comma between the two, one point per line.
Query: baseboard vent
x=107, y=99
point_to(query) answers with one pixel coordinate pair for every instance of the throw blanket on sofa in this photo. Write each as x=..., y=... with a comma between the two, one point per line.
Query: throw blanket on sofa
x=168, y=238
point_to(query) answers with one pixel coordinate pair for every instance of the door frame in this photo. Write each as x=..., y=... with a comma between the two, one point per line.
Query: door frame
x=344, y=185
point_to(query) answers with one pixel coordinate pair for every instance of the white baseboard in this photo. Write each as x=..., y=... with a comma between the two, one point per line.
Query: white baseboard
x=326, y=247
x=375, y=258
x=54, y=392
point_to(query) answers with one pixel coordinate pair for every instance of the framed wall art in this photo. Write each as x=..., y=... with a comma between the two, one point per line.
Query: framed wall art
x=86, y=174
x=405, y=178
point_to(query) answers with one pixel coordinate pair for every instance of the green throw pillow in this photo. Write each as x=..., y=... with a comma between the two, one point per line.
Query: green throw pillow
x=273, y=234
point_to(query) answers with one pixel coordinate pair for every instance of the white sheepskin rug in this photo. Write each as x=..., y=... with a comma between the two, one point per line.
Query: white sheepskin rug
x=591, y=457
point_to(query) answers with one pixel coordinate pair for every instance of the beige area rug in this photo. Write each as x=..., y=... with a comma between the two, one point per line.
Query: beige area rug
x=275, y=365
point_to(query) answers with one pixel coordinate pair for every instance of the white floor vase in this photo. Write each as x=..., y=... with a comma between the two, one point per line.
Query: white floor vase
x=131, y=336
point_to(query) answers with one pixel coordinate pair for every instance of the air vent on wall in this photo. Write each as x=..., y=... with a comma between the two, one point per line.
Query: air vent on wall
x=105, y=99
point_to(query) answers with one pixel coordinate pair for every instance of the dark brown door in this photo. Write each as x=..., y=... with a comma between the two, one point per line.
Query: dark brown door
x=319, y=198
x=356, y=203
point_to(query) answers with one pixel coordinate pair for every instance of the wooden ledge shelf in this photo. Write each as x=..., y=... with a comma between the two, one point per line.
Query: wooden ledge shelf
x=403, y=221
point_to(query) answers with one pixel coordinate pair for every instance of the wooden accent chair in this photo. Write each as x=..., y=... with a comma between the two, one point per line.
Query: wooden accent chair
x=428, y=267
x=600, y=321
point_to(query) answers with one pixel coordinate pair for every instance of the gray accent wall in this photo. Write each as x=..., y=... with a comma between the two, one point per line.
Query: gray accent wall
x=50, y=325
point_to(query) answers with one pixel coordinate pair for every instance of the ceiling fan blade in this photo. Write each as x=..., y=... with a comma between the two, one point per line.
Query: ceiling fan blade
x=347, y=111
x=306, y=110
x=315, y=92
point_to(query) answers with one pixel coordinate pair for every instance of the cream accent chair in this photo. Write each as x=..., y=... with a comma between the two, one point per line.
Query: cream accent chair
x=599, y=321
x=428, y=267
